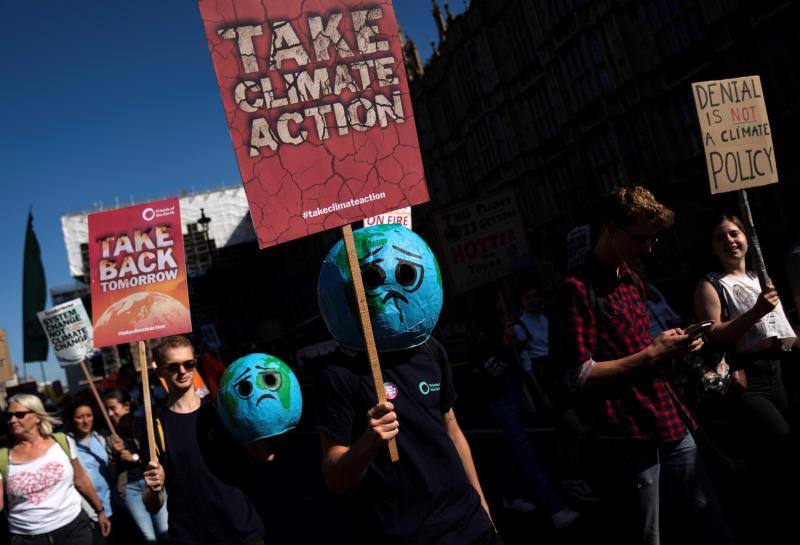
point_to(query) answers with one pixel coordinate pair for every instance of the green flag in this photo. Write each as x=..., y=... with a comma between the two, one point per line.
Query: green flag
x=34, y=297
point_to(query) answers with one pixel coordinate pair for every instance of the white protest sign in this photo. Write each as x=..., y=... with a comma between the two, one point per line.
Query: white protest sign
x=69, y=330
x=483, y=240
x=736, y=133
x=401, y=216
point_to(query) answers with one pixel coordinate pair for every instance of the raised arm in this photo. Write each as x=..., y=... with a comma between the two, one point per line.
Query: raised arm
x=707, y=306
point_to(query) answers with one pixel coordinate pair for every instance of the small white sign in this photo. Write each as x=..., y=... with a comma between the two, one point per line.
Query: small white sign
x=69, y=330
x=401, y=216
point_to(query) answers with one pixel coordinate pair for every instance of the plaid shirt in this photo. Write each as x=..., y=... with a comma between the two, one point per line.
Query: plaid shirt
x=645, y=407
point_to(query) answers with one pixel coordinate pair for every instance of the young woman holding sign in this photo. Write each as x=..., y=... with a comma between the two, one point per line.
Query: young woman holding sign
x=750, y=322
x=749, y=319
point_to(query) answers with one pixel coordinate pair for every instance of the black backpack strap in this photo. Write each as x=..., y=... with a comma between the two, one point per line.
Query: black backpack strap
x=596, y=304
x=714, y=281
x=639, y=285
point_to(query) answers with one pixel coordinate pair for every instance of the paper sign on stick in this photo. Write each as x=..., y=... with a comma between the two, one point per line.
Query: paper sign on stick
x=138, y=274
x=69, y=330
x=6, y=367
x=483, y=240
x=317, y=102
x=736, y=133
x=401, y=217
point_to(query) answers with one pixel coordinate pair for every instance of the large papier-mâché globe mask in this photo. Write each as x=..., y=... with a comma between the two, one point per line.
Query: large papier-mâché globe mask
x=258, y=397
x=402, y=283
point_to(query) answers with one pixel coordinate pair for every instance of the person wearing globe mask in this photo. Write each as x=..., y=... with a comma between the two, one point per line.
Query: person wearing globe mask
x=210, y=451
x=432, y=494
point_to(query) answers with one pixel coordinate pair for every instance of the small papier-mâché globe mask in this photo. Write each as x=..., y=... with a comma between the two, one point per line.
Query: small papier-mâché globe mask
x=259, y=397
x=402, y=283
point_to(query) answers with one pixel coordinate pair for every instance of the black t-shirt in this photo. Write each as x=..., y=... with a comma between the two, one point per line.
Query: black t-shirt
x=206, y=471
x=425, y=498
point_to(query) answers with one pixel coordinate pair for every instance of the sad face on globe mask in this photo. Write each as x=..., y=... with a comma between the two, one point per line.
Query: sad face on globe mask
x=259, y=397
x=402, y=283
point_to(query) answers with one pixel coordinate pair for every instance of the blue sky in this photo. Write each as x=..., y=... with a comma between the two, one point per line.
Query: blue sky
x=103, y=102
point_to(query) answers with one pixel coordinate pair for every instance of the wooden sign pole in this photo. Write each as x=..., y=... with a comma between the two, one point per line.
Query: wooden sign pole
x=366, y=325
x=148, y=410
x=755, y=248
x=97, y=398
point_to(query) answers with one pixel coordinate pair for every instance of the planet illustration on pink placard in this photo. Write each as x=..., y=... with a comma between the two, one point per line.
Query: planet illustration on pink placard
x=142, y=309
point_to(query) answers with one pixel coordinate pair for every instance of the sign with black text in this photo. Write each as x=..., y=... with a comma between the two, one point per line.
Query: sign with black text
x=69, y=330
x=483, y=240
x=736, y=133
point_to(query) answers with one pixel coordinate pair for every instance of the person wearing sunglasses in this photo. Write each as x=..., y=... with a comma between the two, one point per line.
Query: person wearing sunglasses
x=43, y=480
x=208, y=474
x=130, y=452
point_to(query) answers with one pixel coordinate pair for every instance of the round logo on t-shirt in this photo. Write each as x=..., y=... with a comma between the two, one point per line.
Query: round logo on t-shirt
x=391, y=390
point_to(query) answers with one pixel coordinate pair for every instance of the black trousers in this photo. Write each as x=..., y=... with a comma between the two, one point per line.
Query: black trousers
x=772, y=444
x=77, y=532
x=764, y=404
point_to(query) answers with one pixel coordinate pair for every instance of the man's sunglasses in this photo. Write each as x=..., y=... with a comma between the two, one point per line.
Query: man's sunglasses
x=19, y=415
x=175, y=366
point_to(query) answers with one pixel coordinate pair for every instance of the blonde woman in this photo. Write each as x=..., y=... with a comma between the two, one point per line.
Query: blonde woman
x=44, y=481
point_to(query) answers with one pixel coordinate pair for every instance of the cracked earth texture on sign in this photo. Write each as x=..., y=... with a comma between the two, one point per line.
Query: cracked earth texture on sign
x=316, y=97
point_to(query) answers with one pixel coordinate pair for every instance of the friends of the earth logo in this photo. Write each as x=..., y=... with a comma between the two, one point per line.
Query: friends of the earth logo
x=427, y=387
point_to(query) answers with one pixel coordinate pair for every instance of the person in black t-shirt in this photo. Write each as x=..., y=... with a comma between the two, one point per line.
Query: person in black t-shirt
x=203, y=468
x=432, y=495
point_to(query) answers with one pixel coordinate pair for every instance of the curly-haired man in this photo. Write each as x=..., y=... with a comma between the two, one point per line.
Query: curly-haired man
x=642, y=428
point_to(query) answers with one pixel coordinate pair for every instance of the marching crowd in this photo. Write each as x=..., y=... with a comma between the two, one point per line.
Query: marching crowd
x=611, y=365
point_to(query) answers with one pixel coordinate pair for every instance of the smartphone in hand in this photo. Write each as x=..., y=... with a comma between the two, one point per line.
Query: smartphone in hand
x=695, y=330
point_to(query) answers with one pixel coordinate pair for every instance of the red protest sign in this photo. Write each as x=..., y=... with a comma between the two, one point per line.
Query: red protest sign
x=317, y=102
x=138, y=274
